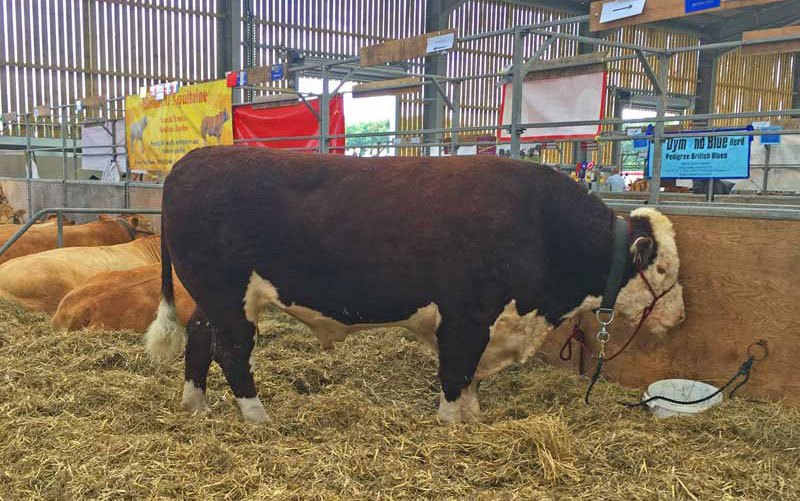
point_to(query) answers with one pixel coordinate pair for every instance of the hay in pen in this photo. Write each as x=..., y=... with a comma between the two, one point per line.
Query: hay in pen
x=85, y=415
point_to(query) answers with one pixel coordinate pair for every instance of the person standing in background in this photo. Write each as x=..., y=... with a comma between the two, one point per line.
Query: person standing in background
x=615, y=182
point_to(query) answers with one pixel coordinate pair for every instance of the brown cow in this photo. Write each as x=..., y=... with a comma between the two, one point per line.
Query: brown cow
x=10, y=216
x=40, y=281
x=107, y=230
x=119, y=300
x=212, y=126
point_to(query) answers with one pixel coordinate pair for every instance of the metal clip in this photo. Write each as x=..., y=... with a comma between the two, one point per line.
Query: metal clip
x=604, y=317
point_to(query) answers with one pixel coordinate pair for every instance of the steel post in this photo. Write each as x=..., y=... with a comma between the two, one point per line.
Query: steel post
x=60, y=229
x=516, y=92
x=324, y=113
x=765, y=181
x=658, y=132
x=455, y=121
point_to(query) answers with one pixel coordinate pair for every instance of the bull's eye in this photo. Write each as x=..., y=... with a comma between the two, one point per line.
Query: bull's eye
x=661, y=269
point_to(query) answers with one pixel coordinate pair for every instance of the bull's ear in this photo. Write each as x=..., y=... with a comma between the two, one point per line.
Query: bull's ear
x=642, y=251
x=135, y=221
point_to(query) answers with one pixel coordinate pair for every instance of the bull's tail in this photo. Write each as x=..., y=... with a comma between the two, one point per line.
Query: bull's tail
x=165, y=337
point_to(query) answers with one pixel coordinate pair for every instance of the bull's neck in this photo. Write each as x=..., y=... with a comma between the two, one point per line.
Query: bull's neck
x=586, y=243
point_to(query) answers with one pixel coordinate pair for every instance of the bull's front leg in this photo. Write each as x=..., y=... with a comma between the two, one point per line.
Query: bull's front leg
x=461, y=344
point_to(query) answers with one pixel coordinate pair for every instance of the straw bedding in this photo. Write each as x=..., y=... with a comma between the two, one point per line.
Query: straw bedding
x=86, y=416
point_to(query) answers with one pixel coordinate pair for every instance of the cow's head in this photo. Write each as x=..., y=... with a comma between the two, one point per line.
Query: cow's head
x=141, y=225
x=653, y=252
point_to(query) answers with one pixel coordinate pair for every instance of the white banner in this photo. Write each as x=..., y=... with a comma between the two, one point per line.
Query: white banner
x=558, y=99
x=96, y=143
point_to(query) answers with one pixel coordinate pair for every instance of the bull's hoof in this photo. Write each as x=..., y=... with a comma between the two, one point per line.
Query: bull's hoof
x=449, y=412
x=253, y=410
x=194, y=399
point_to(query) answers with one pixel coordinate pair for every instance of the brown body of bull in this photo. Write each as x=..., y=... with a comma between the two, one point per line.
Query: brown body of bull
x=40, y=281
x=105, y=231
x=119, y=300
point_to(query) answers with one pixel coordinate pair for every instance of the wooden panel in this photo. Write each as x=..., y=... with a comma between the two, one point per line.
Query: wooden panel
x=659, y=10
x=740, y=281
x=398, y=50
x=772, y=47
x=393, y=87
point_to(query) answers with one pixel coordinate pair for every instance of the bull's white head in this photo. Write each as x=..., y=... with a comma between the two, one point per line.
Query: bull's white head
x=653, y=251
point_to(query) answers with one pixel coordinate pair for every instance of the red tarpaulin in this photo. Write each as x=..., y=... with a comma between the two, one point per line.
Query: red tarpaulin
x=284, y=121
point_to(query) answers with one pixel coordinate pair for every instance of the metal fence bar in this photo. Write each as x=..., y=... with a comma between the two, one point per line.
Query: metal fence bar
x=68, y=210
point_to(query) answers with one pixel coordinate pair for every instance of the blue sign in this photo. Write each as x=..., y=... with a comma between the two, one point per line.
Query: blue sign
x=241, y=78
x=277, y=72
x=697, y=5
x=769, y=138
x=705, y=157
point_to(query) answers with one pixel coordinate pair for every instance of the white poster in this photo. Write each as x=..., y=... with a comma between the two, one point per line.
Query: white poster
x=96, y=143
x=558, y=99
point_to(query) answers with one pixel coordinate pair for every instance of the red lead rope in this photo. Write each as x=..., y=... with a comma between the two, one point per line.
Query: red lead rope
x=578, y=335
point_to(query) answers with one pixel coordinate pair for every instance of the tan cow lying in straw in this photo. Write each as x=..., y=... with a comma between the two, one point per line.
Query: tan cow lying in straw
x=40, y=281
x=107, y=230
x=118, y=300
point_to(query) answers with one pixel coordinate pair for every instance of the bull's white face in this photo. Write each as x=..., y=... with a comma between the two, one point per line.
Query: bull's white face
x=662, y=274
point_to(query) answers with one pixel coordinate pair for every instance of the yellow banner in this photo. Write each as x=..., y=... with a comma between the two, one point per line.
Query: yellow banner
x=160, y=132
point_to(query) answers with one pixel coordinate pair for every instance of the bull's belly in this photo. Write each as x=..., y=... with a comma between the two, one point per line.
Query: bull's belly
x=513, y=338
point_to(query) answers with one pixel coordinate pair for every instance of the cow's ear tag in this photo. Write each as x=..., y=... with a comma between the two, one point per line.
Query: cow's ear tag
x=642, y=251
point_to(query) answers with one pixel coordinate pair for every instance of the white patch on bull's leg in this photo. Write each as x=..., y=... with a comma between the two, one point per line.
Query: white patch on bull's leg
x=470, y=407
x=512, y=339
x=194, y=398
x=449, y=412
x=252, y=410
x=260, y=293
x=165, y=337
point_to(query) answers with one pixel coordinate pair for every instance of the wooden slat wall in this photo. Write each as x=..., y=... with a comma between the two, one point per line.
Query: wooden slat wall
x=752, y=83
x=57, y=51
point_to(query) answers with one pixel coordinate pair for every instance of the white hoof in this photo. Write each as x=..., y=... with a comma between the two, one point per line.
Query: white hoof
x=252, y=410
x=194, y=399
x=449, y=412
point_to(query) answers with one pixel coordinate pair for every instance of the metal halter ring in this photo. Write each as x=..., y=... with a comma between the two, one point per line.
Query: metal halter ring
x=604, y=311
x=762, y=344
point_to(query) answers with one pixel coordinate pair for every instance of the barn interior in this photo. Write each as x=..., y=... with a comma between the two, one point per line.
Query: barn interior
x=87, y=415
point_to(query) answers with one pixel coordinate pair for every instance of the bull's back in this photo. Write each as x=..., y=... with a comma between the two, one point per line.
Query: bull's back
x=332, y=231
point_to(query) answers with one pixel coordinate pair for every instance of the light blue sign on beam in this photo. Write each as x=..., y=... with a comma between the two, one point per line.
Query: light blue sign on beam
x=698, y=5
x=769, y=138
x=705, y=157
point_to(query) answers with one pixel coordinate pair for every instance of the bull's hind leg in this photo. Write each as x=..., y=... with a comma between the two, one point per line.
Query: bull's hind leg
x=199, y=350
x=461, y=345
x=235, y=341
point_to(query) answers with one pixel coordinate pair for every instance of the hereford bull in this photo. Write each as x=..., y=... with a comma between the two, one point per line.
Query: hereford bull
x=107, y=230
x=480, y=257
x=119, y=300
x=40, y=281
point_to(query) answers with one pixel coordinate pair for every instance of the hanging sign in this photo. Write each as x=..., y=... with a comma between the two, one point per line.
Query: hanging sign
x=620, y=10
x=277, y=72
x=698, y=5
x=440, y=43
x=159, y=132
x=706, y=157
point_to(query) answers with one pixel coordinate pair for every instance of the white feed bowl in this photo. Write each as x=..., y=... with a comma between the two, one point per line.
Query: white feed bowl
x=680, y=389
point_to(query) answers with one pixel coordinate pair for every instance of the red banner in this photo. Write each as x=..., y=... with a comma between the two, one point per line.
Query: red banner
x=288, y=121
